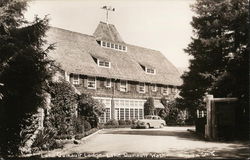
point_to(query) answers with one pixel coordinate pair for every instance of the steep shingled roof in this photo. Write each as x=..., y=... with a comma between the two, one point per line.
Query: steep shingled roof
x=107, y=32
x=75, y=51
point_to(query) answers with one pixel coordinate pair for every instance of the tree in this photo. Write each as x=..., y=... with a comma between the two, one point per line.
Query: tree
x=90, y=108
x=149, y=106
x=219, y=50
x=24, y=71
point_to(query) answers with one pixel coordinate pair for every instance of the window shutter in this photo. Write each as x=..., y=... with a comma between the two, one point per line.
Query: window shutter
x=128, y=85
x=105, y=83
x=97, y=82
x=146, y=87
x=85, y=84
x=118, y=86
x=138, y=87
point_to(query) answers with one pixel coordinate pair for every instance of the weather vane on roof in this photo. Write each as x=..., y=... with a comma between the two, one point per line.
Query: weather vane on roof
x=108, y=8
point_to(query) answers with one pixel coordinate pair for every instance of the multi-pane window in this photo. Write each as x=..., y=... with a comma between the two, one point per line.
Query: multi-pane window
x=122, y=113
x=150, y=70
x=132, y=116
x=76, y=79
x=108, y=44
x=116, y=46
x=140, y=114
x=142, y=87
x=123, y=86
x=154, y=88
x=127, y=113
x=107, y=111
x=120, y=47
x=102, y=63
x=108, y=83
x=103, y=44
x=136, y=113
x=91, y=82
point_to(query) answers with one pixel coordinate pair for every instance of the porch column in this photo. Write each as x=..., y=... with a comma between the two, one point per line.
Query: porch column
x=208, y=126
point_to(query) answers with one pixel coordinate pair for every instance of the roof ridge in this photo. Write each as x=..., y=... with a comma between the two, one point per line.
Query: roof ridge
x=74, y=32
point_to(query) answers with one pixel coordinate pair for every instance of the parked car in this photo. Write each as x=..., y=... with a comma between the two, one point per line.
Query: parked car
x=150, y=121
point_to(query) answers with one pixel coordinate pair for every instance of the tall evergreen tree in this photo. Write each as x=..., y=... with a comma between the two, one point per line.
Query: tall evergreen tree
x=24, y=71
x=219, y=49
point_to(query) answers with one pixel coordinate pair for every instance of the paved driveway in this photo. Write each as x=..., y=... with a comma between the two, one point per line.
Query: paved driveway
x=164, y=142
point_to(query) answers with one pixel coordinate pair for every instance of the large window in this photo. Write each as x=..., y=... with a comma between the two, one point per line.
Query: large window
x=140, y=113
x=91, y=82
x=76, y=79
x=102, y=63
x=141, y=87
x=136, y=113
x=132, y=116
x=127, y=113
x=122, y=113
x=123, y=86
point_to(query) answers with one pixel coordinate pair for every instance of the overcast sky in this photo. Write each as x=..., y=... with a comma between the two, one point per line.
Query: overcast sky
x=162, y=25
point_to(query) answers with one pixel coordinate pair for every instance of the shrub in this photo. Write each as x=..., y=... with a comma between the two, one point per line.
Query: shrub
x=121, y=122
x=87, y=126
x=128, y=122
x=78, y=123
x=112, y=122
x=134, y=121
x=45, y=140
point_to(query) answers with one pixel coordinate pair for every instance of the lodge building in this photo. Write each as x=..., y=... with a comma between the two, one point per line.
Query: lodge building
x=120, y=75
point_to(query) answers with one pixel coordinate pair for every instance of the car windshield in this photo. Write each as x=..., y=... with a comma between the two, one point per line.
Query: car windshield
x=148, y=117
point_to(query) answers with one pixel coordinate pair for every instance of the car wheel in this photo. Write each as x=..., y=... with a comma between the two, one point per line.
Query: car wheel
x=147, y=126
x=161, y=126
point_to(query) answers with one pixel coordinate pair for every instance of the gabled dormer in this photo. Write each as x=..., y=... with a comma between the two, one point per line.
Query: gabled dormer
x=102, y=62
x=107, y=36
x=148, y=69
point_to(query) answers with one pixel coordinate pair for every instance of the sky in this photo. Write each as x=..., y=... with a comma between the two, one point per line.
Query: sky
x=163, y=25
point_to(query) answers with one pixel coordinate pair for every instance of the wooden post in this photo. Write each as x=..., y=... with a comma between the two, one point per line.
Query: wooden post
x=208, y=127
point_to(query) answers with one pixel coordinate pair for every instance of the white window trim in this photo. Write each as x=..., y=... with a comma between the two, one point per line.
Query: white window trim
x=125, y=86
x=110, y=44
x=108, y=86
x=88, y=83
x=154, y=89
x=143, y=88
x=98, y=63
x=76, y=81
x=148, y=72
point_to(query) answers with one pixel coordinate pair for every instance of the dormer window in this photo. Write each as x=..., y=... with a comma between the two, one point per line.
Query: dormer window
x=103, y=44
x=112, y=45
x=141, y=87
x=120, y=47
x=108, y=44
x=124, y=48
x=150, y=70
x=103, y=63
x=116, y=46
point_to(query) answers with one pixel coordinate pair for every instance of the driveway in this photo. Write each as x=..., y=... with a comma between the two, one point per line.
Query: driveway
x=172, y=142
